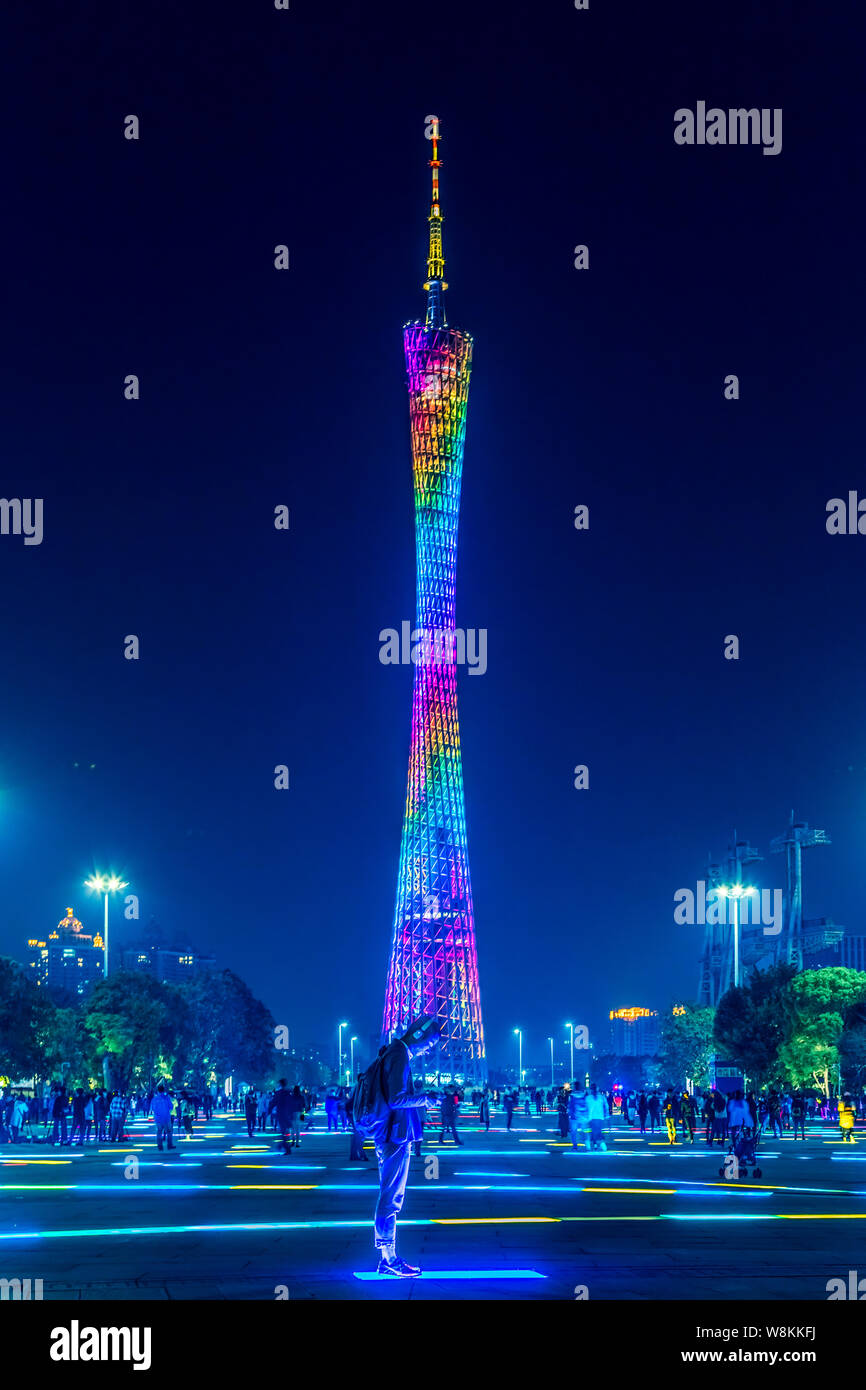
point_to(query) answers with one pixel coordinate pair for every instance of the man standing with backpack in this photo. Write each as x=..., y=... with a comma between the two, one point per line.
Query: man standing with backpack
x=385, y=1108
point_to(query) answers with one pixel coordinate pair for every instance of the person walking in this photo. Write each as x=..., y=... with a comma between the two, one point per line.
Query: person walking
x=654, y=1108
x=576, y=1117
x=689, y=1114
x=115, y=1118
x=671, y=1112
x=356, y=1148
x=251, y=1106
x=18, y=1117
x=88, y=1115
x=186, y=1108
x=58, y=1115
x=642, y=1111
x=331, y=1110
x=846, y=1119
x=449, y=1116
x=562, y=1111
x=161, y=1108
x=484, y=1109
x=738, y=1115
x=774, y=1113
x=798, y=1113
x=281, y=1108
x=78, y=1120
x=508, y=1102
x=100, y=1115
x=596, y=1113
x=720, y=1117
x=297, y=1114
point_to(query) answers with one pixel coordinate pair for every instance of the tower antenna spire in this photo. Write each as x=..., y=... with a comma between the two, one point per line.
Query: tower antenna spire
x=435, y=282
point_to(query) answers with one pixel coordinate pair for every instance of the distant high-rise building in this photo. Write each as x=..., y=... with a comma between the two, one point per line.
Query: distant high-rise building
x=826, y=944
x=68, y=959
x=634, y=1032
x=170, y=966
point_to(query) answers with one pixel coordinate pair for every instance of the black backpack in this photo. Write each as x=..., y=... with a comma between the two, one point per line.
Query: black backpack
x=368, y=1104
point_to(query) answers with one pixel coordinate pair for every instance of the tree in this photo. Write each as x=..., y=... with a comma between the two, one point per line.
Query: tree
x=25, y=1019
x=852, y=1055
x=754, y=1020
x=139, y=1026
x=686, y=1045
x=821, y=1003
x=232, y=1033
x=69, y=1052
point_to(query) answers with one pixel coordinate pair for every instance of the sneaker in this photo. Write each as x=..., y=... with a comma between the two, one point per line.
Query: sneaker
x=398, y=1267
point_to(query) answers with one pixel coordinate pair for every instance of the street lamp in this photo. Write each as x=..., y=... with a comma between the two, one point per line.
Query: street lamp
x=340, y=1049
x=571, y=1056
x=105, y=884
x=352, y=1042
x=735, y=892
x=552, y=1082
x=518, y=1033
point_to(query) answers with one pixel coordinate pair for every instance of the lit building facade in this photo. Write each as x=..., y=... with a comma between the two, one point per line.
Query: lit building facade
x=634, y=1032
x=172, y=967
x=69, y=958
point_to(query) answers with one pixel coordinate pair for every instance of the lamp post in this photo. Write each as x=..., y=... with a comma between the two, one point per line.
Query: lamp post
x=571, y=1056
x=518, y=1033
x=552, y=1082
x=352, y=1042
x=735, y=891
x=340, y=1050
x=105, y=884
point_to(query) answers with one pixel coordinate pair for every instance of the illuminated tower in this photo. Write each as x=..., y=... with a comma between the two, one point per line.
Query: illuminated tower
x=433, y=966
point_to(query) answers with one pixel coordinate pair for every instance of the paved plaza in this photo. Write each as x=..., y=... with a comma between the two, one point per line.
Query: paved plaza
x=510, y=1215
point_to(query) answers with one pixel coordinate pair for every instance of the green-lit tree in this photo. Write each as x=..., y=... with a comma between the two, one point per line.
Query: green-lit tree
x=69, y=1052
x=138, y=1025
x=822, y=1003
x=686, y=1045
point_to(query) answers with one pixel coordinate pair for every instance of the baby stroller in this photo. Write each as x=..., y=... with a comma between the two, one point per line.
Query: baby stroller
x=744, y=1150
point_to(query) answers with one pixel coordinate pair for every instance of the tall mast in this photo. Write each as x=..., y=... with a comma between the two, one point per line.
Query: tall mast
x=435, y=282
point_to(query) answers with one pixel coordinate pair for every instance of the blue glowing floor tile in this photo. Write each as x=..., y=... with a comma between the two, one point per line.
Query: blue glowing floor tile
x=480, y=1275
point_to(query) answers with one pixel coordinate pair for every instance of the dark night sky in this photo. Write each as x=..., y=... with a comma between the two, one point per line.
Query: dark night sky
x=259, y=387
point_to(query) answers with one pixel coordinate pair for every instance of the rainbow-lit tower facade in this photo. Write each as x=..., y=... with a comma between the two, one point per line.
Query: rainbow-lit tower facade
x=434, y=965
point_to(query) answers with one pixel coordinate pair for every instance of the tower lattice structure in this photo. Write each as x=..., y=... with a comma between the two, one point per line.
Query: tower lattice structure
x=433, y=966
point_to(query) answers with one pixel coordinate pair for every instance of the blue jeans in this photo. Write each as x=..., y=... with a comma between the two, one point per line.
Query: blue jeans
x=394, y=1162
x=164, y=1132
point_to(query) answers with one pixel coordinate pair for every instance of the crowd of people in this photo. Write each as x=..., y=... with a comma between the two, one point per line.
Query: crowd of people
x=723, y=1115
x=102, y=1116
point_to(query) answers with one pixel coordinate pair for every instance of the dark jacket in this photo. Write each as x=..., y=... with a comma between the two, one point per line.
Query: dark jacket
x=402, y=1121
x=282, y=1103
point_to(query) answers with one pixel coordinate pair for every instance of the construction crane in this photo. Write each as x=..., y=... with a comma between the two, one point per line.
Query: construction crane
x=797, y=837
